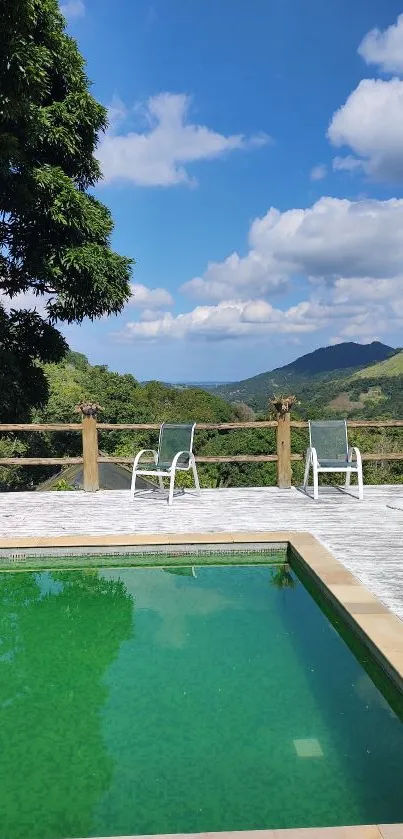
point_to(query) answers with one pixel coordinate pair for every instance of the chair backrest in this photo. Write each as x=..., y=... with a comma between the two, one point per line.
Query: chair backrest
x=174, y=438
x=329, y=438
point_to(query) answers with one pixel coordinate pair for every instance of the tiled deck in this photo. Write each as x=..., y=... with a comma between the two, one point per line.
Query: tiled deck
x=367, y=536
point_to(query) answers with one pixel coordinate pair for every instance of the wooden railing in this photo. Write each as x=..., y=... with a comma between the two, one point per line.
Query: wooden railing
x=89, y=429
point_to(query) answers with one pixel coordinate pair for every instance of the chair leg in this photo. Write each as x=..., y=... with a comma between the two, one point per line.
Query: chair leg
x=360, y=484
x=315, y=484
x=133, y=485
x=161, y=483
x=195, y=476
x=306, y=473
x=171, y=487
x=348, y=478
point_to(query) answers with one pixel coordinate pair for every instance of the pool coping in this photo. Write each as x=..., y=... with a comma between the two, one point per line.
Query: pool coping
x=370, y=831
x=379, y=629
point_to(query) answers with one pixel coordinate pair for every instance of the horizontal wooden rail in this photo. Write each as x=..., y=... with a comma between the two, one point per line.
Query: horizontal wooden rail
x=237, y=458
x=364, y=456
x=40, y=461
x=358, y=424
x=47, y=426
x=200, y=426
x=382, y=456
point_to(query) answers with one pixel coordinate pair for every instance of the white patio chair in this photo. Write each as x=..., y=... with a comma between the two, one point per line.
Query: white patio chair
x=175, y=454
x=329, y=452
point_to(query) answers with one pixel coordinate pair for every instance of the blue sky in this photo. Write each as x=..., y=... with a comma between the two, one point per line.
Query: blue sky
x=253, y=153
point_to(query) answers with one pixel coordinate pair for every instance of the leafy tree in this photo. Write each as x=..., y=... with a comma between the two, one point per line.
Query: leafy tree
x=54, y=235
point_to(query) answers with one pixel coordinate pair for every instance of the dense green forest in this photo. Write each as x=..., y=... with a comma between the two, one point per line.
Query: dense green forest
x=124, y=399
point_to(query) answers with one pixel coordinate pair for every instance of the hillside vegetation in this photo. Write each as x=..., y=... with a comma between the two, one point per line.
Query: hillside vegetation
x=306, y=374
x=375, y=392
x=391, y=367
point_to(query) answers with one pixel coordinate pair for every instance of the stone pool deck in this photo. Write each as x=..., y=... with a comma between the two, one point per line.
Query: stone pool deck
x=366, y=537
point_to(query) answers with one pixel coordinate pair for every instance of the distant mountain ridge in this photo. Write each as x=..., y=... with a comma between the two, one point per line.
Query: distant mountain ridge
x=339, y=357
x=304, y=375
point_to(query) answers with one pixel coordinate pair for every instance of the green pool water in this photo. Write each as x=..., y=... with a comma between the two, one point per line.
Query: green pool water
x=142, y=700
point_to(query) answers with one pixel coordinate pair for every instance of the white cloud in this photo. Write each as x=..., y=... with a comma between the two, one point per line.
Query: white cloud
x=151, y=314
x=160, y=155
x=319, y=172
x=356, y=309
x=73, y=9
x=366, y=290
x=371, y=124
x=347, y=164
x=384, y=48
x=334, y=238
x=232, y=319
x=143, y=297
x=257, y=273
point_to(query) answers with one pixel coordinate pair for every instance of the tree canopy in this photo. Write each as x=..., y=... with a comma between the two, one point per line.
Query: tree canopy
x=54, y=235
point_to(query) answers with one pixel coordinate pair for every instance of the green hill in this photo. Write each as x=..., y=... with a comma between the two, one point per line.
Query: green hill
x=306, y=375
x=390, y=367
x=374, y=392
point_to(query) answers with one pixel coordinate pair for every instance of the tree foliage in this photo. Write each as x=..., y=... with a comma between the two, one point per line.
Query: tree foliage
x=54, y=235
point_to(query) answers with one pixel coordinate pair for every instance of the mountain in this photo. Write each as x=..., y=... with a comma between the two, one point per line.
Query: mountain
x=374, y=392
x=304, y=375
x=338, y=357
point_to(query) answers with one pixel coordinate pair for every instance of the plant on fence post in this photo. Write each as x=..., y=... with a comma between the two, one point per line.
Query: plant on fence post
x=282, y=405
x=54, y=235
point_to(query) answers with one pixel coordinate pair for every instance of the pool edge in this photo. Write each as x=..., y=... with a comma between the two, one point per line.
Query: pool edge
x=377, y=627
x=371, y=831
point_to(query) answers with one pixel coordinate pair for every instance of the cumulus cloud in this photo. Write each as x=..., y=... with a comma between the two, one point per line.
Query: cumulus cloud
x=160, y=155
x=73, y=9
x=360, y=308
x=257, y=273
x=371, y=124
x=334, y=238
x=146, y=298
x=319, y=172
x=384, y=48
x=231, y=319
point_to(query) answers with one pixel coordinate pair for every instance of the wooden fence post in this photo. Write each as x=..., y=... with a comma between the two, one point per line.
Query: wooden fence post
x=284, y=471
x=90, y=447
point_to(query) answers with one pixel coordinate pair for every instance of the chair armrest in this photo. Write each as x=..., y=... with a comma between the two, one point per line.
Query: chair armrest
x=355, y=452
x=176, y=458
x=140, y=455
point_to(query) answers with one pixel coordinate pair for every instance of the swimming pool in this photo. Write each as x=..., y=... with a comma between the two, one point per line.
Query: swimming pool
x=187, y=699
